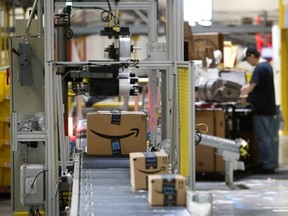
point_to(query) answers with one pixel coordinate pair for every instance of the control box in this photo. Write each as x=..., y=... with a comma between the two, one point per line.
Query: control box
x=32, y=184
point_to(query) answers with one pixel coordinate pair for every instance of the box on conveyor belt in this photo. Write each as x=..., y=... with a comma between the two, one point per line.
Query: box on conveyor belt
x=116, y=133
x=143, y=164
x=167, y=190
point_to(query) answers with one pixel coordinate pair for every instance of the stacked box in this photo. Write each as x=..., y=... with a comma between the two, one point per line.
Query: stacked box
x=143, y=164
x=167, y=190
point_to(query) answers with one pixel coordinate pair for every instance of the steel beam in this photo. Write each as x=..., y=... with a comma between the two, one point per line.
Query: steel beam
x=225, y=29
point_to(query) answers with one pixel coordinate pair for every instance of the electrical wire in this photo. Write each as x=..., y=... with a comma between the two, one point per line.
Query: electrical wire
x=37, y=177
x=202, y=124
x=198, y=137
x=109, y=5
x=32, y=212
x=38, y=212
x=132, y=62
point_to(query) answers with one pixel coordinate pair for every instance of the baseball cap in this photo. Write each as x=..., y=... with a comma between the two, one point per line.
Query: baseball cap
x=252, y=50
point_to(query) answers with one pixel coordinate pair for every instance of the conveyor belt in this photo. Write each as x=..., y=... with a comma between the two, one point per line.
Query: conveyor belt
x=106, y=190
x=92, y=162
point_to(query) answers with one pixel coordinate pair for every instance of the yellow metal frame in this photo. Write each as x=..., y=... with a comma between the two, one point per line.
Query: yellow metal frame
x=184, y=117
x=185, y=123
x=26, y=213
x=283, y=54
x=4, y=34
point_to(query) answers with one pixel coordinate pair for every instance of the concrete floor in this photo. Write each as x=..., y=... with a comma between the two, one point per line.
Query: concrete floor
x=253, y=195
x=5, y=207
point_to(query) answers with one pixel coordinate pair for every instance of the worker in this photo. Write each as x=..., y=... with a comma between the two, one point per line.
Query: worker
x=261, y=96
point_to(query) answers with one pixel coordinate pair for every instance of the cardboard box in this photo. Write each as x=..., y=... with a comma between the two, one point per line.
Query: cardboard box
x=205, y=154
x=116, y=133
x=188, y=38
x=167, y=190
x=143, y=164
x=206, y=158
x=214, y=40
x=205, y=45
x=219, y=132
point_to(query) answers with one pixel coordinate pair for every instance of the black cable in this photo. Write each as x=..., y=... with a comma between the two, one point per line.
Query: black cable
x=199, y=137
x=105, y=16
x=109, y=5
x=38, y=212
x=32, y=212
x=37, y=177
x=132, y=62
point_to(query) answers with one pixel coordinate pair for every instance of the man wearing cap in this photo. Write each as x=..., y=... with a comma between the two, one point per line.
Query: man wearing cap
x=261, y=96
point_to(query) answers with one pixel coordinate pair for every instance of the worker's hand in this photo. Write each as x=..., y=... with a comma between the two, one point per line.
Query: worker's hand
x=243, y=96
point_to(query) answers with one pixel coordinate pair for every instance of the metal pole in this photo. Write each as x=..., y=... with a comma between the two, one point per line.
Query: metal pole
x=175, y=44
x=284, y=65
x=192, y=167
x=40, y=17
x=168, y=81
x=51, y=146
x=178, y=30
x=153, y=76
x=62, y=55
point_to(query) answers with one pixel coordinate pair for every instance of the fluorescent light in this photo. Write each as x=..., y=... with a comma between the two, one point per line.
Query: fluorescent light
x=196, y=11
x=205, y=23
x=68, y=3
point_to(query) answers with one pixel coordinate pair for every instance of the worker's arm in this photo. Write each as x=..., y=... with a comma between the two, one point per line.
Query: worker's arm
x=246, y=89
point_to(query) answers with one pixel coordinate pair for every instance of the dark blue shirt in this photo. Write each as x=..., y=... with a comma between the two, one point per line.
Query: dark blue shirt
x=262, y=98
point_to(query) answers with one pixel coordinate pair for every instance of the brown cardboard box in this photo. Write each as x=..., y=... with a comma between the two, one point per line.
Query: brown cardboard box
x=204, y=154
x=206, y=159
x=116, y=133
x=219, y=132
x=205, y=44
x=143, y=164
x=230, y=54
x=167, y=190
x=188, y=37
x=214, y=40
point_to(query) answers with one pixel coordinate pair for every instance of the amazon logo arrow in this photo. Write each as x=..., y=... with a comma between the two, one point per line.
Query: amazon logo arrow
x=118, y=137
x=153, y=171
x=170, y=192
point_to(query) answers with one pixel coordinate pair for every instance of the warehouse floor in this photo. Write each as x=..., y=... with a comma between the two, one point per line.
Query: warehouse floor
x=251, y=195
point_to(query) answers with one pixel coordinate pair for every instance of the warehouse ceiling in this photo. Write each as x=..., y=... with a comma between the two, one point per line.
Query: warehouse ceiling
x=86, y=21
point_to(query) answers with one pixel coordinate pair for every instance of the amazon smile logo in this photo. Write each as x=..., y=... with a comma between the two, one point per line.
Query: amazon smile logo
x=117, y=137
x=153, y=171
